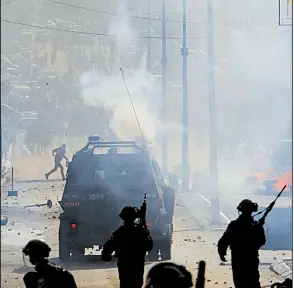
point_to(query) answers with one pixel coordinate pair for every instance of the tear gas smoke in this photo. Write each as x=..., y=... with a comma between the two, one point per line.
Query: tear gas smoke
x=253, y=92
x=145, y=89
x=111, y=93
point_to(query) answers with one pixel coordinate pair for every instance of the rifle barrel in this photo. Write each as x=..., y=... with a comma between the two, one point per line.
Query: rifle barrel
x=200, y=281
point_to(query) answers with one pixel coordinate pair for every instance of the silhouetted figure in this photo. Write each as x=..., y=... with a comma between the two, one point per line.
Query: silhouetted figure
x=245, y=237
x=46, y=274
x=166, y=275
x=130, y=242
x=59, y=153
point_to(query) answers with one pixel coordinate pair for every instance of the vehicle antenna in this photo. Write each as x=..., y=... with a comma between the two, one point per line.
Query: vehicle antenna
x=142, y=135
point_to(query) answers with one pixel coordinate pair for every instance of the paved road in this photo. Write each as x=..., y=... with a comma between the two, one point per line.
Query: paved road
x=193, y=240
x=278, y=223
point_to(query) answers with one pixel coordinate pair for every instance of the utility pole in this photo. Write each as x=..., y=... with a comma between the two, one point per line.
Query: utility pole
x=37, y=8
x=215, y=209
x=164, y=102
x=149, y=37
x=185, y=139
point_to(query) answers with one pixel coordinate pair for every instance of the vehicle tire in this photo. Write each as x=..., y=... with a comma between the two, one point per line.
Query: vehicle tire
x=77, y=254
x=165, y=250
x=64, y=251
x=153, y=254
x=166, y=243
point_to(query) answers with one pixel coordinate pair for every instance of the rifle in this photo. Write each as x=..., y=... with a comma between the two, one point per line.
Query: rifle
x=200, y=281
x=261, y=221
x=143, y=211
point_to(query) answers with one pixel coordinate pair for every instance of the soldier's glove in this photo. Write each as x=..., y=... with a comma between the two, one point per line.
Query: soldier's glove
x=223, y=258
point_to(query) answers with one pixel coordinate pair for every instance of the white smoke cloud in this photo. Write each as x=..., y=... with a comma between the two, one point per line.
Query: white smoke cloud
x=111, y=92
x=252, y=93
x=144, y=88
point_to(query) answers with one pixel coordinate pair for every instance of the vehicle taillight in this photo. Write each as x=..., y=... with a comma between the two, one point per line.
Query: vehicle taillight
x=73, y=226
x=149, y=223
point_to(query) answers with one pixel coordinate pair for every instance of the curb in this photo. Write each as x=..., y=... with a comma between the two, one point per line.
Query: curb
x=200, y=208
x=281, y=268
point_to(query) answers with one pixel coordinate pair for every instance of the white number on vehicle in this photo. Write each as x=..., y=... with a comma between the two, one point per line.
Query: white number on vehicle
x=96, y=196
x=100, y=174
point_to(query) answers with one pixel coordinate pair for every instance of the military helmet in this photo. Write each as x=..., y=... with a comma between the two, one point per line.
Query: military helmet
x=129, y=213
x=37, y=248
x=167, y=275
x=247, y=205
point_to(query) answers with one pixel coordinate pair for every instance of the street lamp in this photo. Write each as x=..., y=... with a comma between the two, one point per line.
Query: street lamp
x=149, y=37
x=185, y=139
x=164, y=102
x=212, y=118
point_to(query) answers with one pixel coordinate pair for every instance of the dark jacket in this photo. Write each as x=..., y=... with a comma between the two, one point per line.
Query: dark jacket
x=244, y=237
x=59, y=154
x=49, y=275
x=130, y=242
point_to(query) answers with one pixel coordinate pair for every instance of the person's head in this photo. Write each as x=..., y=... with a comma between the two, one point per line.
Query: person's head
x=37, y=251
x=63, y=146
x=129, y=214
x=167, y=274
x=247, y=207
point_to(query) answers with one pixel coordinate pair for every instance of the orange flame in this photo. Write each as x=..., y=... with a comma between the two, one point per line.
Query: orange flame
x=285, y=179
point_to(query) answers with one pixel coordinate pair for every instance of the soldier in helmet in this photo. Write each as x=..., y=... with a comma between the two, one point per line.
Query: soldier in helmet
x=245, y=237
x=130, y=242
x=168, y=274
x=59, y=153
x=46, y=274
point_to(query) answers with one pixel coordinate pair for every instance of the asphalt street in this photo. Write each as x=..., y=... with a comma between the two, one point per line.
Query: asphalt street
x=193, y=240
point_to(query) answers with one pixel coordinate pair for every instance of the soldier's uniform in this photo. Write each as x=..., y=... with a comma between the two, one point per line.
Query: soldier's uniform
x=130, y=242
x=245, y=237
x=46, y=274
x=59, y=153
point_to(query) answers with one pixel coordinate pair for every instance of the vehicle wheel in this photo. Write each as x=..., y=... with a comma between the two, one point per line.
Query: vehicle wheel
x=165, y=250
x=64, y=252
x=77, y=254
x=165, y=247
x=153, y=255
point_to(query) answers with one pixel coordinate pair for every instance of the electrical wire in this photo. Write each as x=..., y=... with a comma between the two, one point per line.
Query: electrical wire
x=6, y=2
x=118, y=14
x=92, y=33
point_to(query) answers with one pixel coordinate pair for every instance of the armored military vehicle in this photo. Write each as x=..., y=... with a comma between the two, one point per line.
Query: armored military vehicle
x=102, y=178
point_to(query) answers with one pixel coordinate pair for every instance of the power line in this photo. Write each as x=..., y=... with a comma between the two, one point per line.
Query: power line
x=91, y=33
x=118, y=14
x=6, y=2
